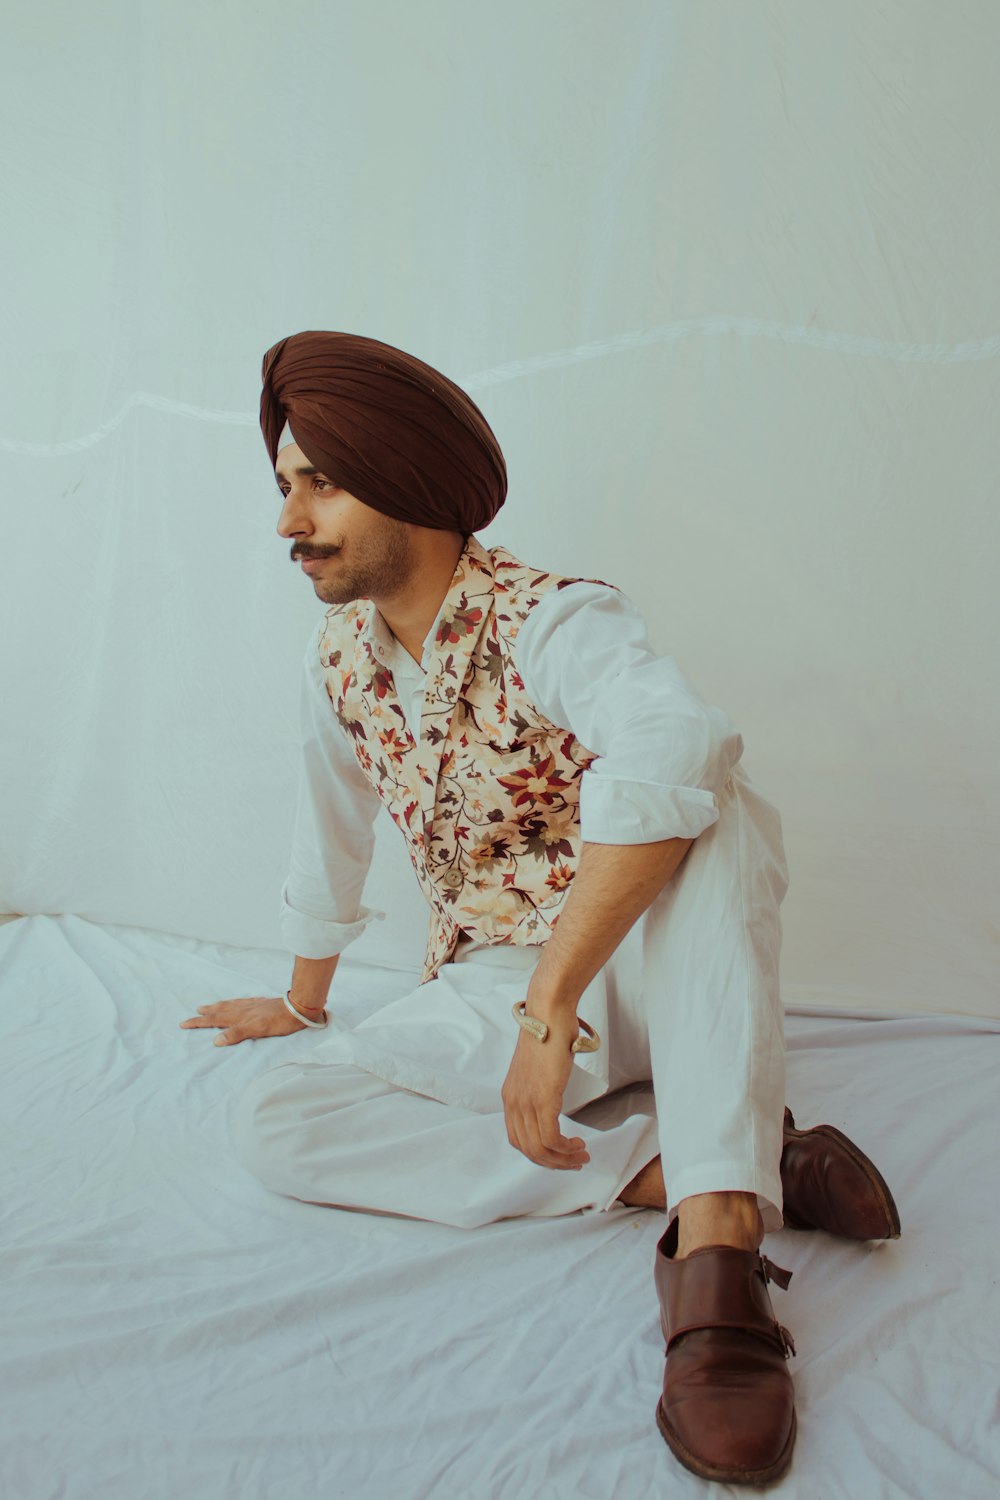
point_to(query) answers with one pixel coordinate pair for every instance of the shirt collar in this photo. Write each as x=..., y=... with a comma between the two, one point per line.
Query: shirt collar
x=387, y=647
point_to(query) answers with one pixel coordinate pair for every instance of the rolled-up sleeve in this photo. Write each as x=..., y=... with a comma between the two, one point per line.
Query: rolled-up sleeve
x=663, y=753
x=321, y=911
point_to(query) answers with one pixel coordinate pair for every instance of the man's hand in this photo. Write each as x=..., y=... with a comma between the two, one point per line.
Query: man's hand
x=533, y=1094
x=614, y=884
x=245, y=1020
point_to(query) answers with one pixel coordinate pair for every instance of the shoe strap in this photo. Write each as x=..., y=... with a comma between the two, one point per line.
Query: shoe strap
x=774, y=1273
x=720, y=1287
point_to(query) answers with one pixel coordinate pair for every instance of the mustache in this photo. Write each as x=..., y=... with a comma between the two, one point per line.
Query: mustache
x=312, y=554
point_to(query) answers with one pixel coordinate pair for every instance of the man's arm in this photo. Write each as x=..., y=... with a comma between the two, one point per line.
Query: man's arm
x=334, y=837
x=663, y=756
x=331, y=851
x=614, y=884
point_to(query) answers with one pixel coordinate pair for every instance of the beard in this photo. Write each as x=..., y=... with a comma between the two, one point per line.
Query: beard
x=378, y=563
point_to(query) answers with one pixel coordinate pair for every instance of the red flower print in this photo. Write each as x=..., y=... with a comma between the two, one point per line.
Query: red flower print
x=559, y=877
x=457, y=624
x=391, y=744
x=539, y=782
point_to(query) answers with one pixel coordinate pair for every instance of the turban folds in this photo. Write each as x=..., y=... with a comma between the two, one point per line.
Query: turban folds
x=386, y=427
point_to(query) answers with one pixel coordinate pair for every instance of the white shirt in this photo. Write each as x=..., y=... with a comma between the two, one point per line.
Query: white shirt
x=664, y=754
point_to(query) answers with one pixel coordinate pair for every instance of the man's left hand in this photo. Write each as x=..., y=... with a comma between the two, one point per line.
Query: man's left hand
x=533, y=1094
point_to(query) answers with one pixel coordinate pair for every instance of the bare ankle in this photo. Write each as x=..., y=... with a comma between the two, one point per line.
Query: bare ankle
x=646, y=1188
x=718, y=1219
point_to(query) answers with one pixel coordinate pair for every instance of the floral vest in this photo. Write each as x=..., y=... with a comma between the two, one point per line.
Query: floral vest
x=488, y=800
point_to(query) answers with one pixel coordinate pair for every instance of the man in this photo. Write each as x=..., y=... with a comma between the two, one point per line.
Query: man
x=603, y=882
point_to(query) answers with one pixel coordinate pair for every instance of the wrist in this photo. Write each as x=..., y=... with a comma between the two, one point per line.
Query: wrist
x=315, y=1019
x=310, y=1010
x=550, y=1004
x=310, y=984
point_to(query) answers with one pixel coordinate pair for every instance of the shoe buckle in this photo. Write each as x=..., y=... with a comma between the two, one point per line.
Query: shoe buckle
x=785, y=1339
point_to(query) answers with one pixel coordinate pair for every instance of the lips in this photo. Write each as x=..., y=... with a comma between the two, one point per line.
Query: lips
x=310, y=564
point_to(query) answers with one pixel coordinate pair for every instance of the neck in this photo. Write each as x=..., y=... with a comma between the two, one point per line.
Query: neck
x=411, y=612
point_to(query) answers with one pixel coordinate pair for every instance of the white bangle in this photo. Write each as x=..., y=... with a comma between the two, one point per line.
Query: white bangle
x=588, y=1042
x=300, y=1017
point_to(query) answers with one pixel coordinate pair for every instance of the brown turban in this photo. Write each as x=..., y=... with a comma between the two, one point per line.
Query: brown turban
x=386, y=427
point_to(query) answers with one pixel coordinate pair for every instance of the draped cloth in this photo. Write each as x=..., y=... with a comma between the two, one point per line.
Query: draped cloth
x=386, y=427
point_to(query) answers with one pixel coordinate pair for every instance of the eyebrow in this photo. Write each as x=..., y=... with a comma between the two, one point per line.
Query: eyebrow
x=302, y=469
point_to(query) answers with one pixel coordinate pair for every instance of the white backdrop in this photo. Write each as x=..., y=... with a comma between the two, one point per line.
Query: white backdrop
x=722, y=277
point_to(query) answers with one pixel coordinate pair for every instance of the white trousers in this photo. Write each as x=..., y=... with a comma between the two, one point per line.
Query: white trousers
x=402, y=1114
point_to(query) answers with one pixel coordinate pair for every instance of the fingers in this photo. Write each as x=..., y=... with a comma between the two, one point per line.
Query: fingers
x=219, y=1014
x=541, y=1140
x=208, y=1016
x=231, y=1037
x=244, y=1020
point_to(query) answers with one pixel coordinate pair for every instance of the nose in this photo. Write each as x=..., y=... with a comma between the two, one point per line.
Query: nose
x=292, y=521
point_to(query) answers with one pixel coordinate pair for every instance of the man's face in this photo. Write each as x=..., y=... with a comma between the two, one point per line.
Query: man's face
x=349, y=550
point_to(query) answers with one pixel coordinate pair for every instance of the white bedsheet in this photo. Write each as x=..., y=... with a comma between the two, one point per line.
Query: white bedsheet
x=172, y=1329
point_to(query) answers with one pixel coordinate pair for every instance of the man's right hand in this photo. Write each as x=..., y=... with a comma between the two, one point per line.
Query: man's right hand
x=247, y=1020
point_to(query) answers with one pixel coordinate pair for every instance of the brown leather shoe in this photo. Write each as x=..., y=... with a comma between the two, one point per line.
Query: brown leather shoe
x=727, y=1409
x=830, y=1184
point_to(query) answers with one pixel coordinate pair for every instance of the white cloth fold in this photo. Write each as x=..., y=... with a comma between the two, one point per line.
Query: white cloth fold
x=689, y=1001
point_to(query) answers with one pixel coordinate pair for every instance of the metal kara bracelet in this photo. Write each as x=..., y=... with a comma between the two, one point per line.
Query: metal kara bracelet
x=300, y=1017
x=539, y=1030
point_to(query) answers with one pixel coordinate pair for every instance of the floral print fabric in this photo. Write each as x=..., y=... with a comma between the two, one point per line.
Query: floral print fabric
x=488, y=799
